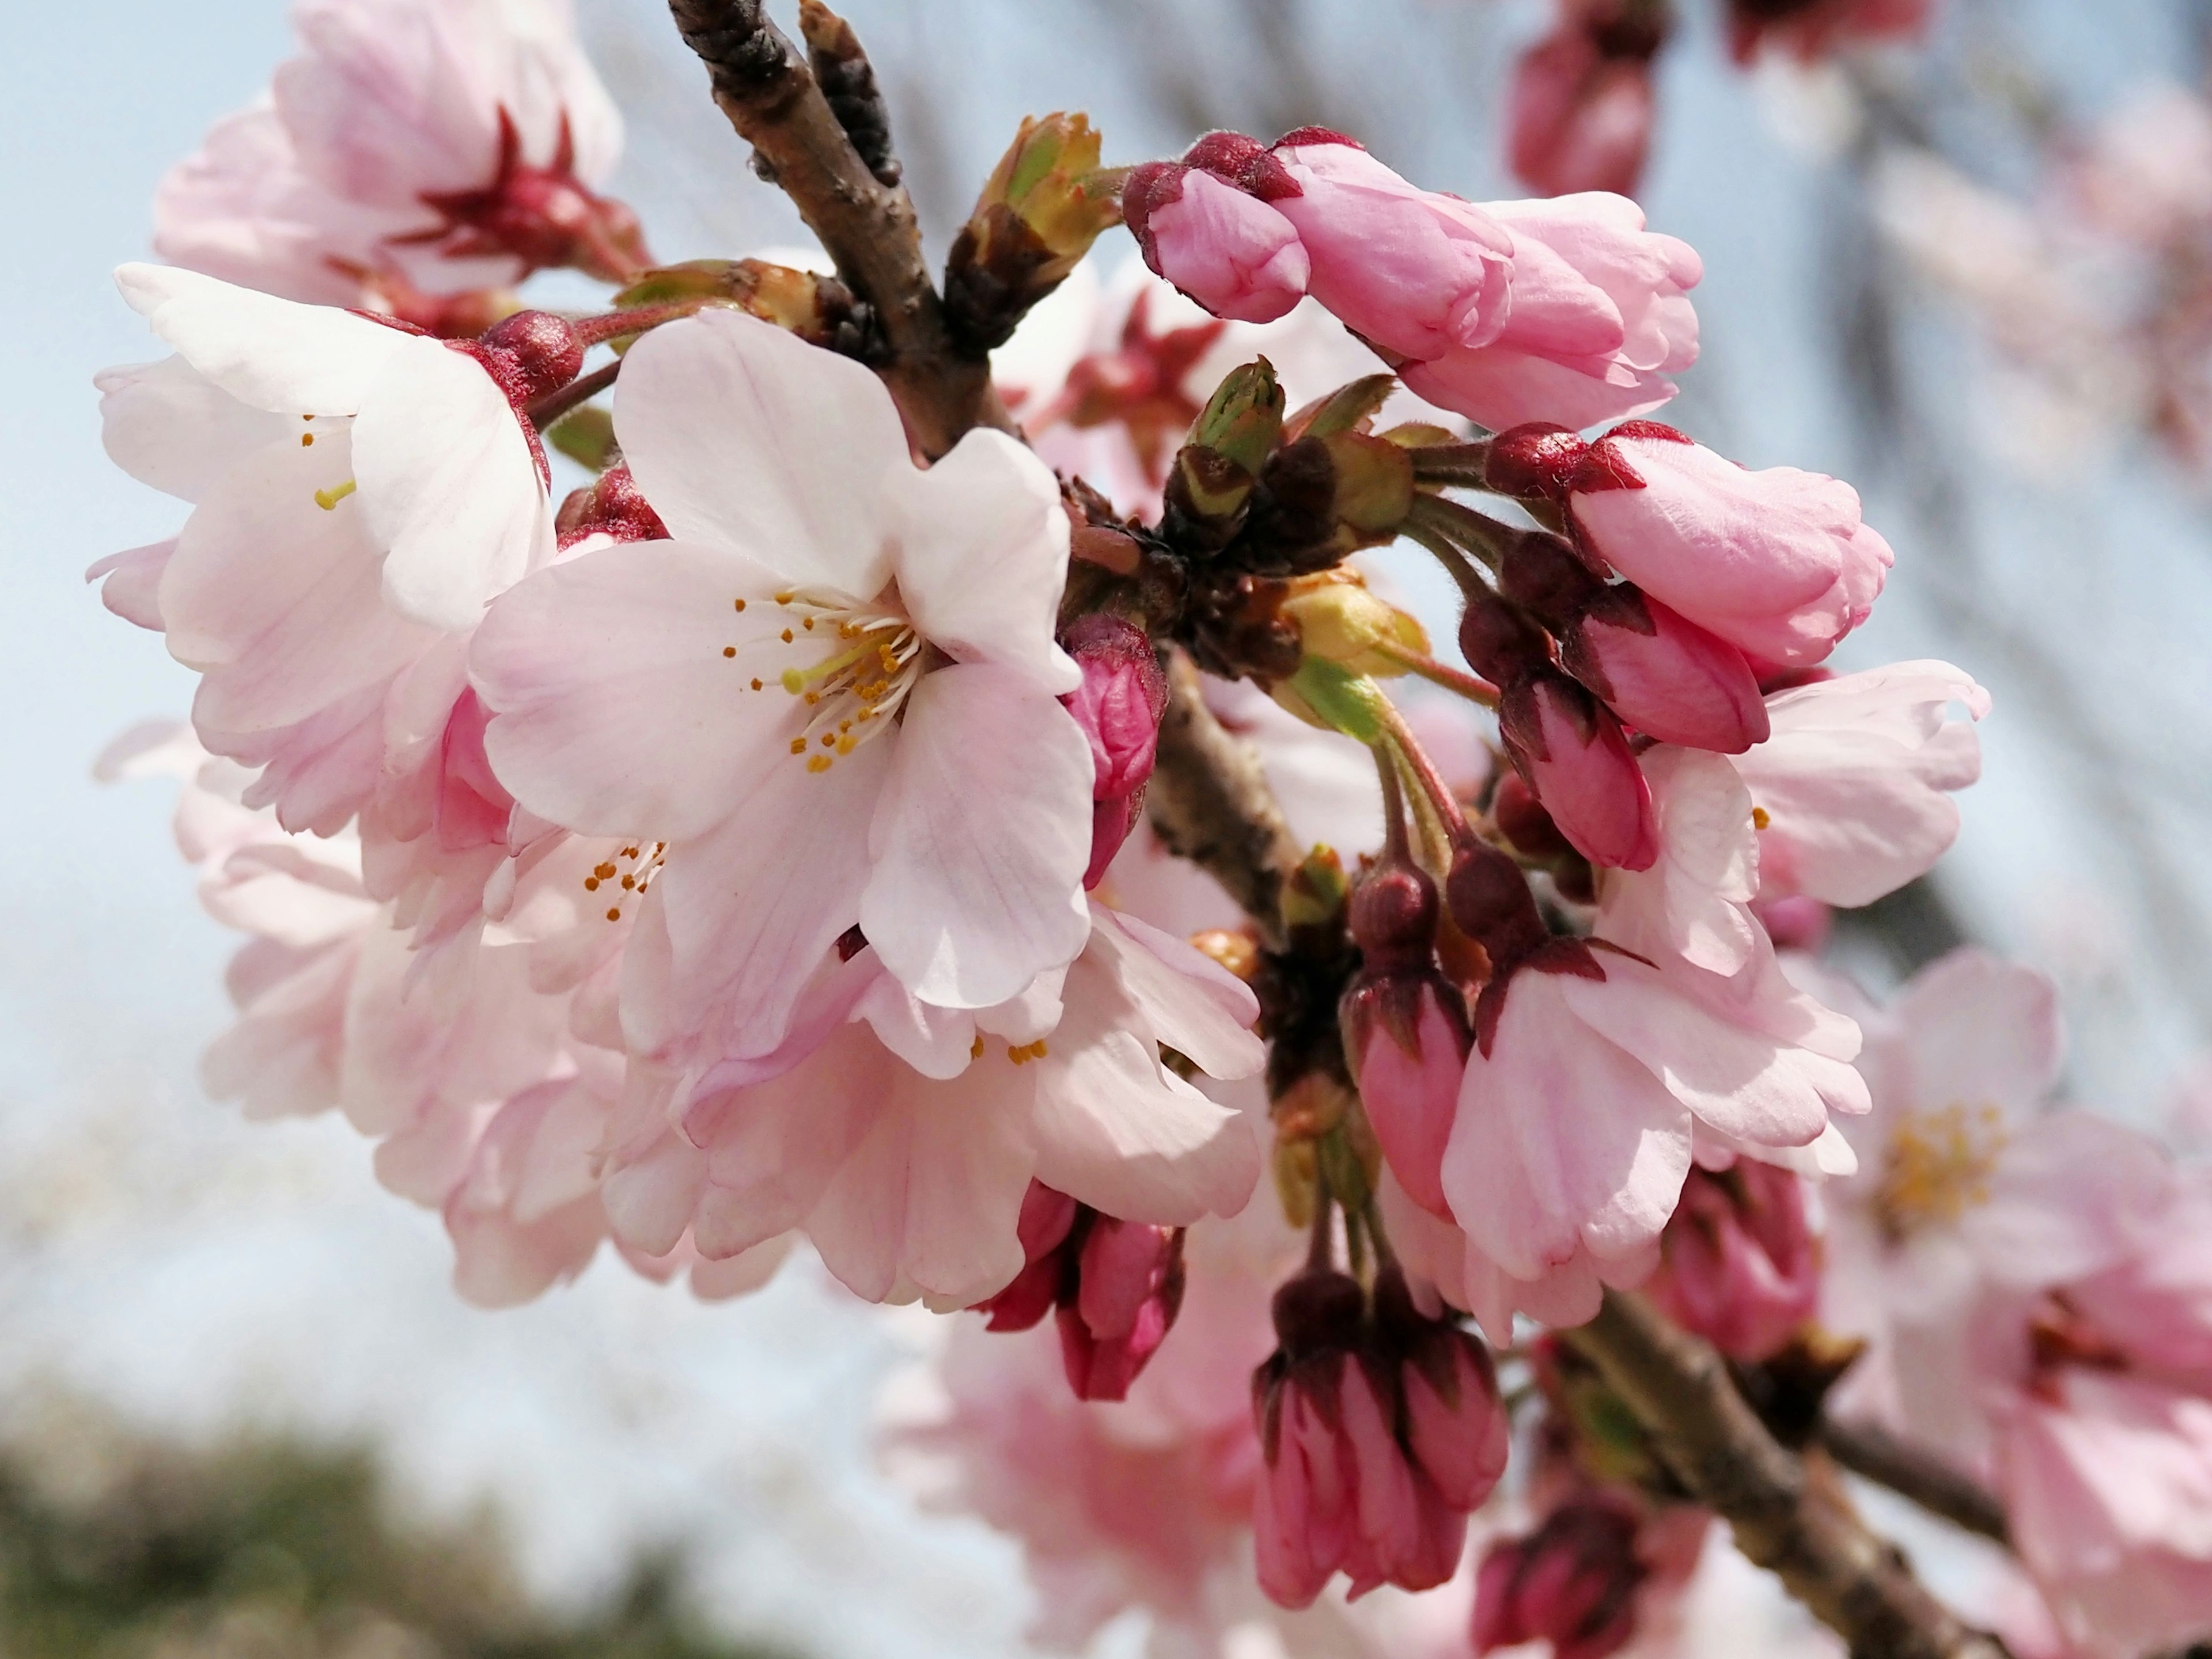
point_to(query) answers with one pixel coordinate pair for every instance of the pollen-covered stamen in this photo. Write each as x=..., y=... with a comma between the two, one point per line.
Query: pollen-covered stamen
x=856, y=686
x=1938, y=1166
x=626, y=874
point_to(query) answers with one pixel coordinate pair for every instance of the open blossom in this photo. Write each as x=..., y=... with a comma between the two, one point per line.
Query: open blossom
x=359, y=493
x=835, y=695
x=2098, y=1387
x=431, y=145
x=902, y=1138
x=1564, y=310
x=1854, y=787
x=1595, y=1062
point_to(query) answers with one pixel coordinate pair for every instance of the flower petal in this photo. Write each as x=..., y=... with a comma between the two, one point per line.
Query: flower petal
x=449, y=485
x=980, y=839
x=743, y=436
x=983, y=557
x=267, y=353
x=167, y=425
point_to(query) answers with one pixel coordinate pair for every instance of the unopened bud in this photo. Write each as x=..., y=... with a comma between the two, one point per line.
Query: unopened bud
x=1338, y=618
x=1118, y=705
x=1394, y=915
x=1043, y=205
x=1571, y=753
x=614, y=506
x=1573, y=1583
x=1664, y=674
x=1739, y=1264
x=1129, y=1288
x=820, y=310
x=1229, y=445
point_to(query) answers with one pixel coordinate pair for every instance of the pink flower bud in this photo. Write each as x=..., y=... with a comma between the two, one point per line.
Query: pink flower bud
x=1231, y=252
x=1739, y=1264
x=1572, y=754
x=1581, y=110
x=1418, y=272
x=1601, y=316
x=1405, y=1034
x=1047, y=1216
x=1128, y=1290
x=1666, y=676
x=614, y=506
x=1778, y=563
x=1572, y=1582
x=1455, y=1425
x=1119, y=705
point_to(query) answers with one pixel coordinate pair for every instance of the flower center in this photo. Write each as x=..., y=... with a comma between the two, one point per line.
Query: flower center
x=1938, y=1166
x=865, y=658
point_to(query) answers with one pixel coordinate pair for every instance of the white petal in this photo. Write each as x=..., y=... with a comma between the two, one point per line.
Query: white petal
x=617, y=713
x=449, y=485
x=167, y=425
x=743, y=436
x=1184, y=998
x=267, y=353
x=980, y=841
x=983, y=557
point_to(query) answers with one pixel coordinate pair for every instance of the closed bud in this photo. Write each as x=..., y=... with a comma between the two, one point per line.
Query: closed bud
x=1040, y=210
x=1572, y=754
x=1229, y=445
x=1340, y=619
x=1129, y=1286
x=1406, y=1038
x=1572, y=1582
x=1739, y=1264
x=820, y=310
x=1665, y=676
x=613, y=507
x=1048, y=1217
x=1118, y=705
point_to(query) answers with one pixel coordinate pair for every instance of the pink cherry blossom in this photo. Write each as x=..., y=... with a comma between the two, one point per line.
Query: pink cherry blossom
x=1686, y=1020
x=359, y=493
x=1585, y=271
x=1664, y=674
x=1572, y=1582
x=1577, y=760
x=1777, y=562
x=1119, y=707
x=764, y=692
x=1854, y=785
x=902, y=1138
x=441, y=146
x=1232, y=252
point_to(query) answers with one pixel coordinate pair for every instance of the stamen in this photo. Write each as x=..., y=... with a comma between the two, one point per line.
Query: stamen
x=328, y=499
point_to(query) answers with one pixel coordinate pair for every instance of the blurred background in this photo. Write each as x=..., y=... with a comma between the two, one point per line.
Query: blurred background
x=1971, y=274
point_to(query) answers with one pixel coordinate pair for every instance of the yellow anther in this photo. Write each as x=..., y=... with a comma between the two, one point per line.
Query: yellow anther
x=740, y=604
x=845, y=744
x=306, y=441
x=1760, y=817
x=799, y=746
x=786, y=595
x=975, y=1048
x=591, y=884
x=787, y=637
x=615, y=914
x=729, y=650
x=829, y=739
x=808, y=624
x=1938, y=1165
x=757, y=685
x=628, y=882
x=604, y=871
x=328, y=499
x=818, y=763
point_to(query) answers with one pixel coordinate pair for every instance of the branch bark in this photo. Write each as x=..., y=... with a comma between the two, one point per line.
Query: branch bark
x=1210, y=802
x=1879, y=1456
x=763, y=82
x=1785, y=1515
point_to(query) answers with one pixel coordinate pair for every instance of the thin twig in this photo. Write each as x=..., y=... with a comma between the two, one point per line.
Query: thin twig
x=1878, y=1455
x=1784, y=1515
x=579, y=392
x=764, y=84
x=1210, y=802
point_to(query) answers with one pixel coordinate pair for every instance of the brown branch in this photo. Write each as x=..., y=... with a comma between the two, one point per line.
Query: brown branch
x=1790, y=1517
x=764, y=84
x=1876, y=1455
x=1210, y=802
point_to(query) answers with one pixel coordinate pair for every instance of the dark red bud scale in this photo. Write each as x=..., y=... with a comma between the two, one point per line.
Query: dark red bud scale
x=1245, y=162
x=1522, y=820
x=614, y=506
x=1499, y=641
x=1318, y=1311
x=1297, y=137
x=1544, y=575
x=1534, y=461
x=1152, y=185
x=1489, y=901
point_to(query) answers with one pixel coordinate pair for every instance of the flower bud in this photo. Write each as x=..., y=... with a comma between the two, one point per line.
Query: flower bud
x=1572, y=1582
x=1339, y=619
x=820, y=310
x=1404, y=1028
x=1231, y=252
x=1130, y=1284
x=1235, y=434
x=1455, y=1423
x=1738, y=1262
x=1666, y=676
x=1580, y=115
x=1572, y=754
x=613, y=507
x=1119, y=705
x=533, y=353
x=1048, y=1217
x=1040, y=210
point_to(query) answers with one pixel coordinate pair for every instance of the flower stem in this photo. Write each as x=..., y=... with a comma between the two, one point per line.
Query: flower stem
x=579, y=392
x=1452, y=679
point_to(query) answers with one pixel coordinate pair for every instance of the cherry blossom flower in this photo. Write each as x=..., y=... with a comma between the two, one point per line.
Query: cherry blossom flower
x=1739, y=1264
x=1582, y=107
x=902, y=1138
x=1853, y=788
x=834, y=696
x=412, y=146
x=359, y=492
x=1678, y=1020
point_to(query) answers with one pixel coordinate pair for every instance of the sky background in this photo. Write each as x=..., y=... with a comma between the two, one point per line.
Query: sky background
x=203, y=1273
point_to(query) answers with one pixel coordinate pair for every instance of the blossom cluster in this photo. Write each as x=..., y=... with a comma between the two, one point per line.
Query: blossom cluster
x=1036, y=864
